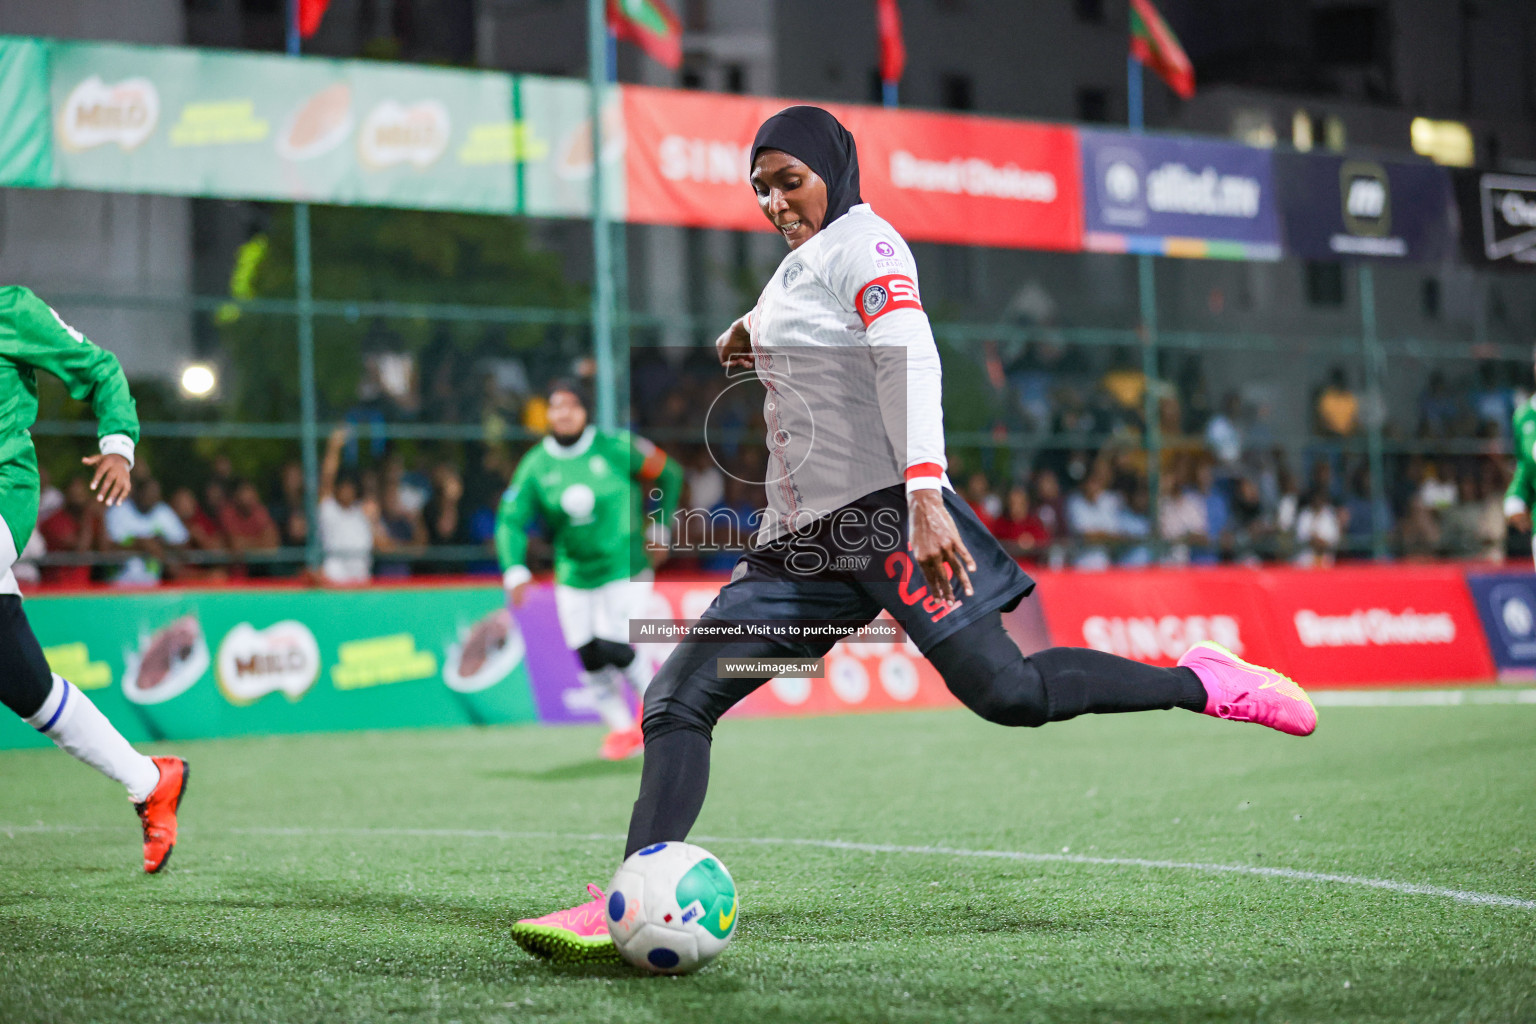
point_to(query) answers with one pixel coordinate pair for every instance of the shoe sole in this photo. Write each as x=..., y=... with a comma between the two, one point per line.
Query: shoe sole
x=561, y=947
x=186, y=777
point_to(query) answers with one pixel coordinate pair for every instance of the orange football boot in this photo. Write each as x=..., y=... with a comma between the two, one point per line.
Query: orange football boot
x=622, y=743
x=158, y=811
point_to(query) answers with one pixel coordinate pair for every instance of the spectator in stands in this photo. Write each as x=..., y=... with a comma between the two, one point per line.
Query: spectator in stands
x=150, y=529
x=346, y=527
x=203, y=531
x=1218, y=514
x=1420, y=531
x=1093, y=517
x=248, y=527
x=978, y=494
x=400, y=527
x=1252, y=531
x=1182, y=520
x=1439, y=408
x=1474, y=526
x=1364, y=515
x=76, y=527
x=1022, y=533
x=1048, y=505
x=1136, y=528
x=287, y=509
x=1319, y=529
x=1224, y=436
x=445, y=519
x=1337, y=408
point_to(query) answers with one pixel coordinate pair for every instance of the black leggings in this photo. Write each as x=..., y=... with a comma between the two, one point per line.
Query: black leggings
x=980, y=663
x=25, y=679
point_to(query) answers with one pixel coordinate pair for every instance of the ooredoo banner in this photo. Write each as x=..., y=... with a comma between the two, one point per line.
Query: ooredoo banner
x=1178, y=197
x=935, y=177
x=1338, y=207
x=1506, y=603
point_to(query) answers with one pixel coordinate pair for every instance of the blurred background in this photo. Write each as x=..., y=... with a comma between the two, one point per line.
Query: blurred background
x=1103, y=407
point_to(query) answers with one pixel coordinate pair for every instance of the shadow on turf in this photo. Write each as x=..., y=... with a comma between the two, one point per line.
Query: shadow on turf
x=594, y=769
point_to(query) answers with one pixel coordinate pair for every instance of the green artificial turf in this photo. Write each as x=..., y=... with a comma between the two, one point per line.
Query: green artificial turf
x=371, y=877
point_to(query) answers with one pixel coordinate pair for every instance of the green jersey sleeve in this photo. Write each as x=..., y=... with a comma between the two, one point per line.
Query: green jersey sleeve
x=518, y=509
x=1522, y=488
x=31, y=333
x=651, y=465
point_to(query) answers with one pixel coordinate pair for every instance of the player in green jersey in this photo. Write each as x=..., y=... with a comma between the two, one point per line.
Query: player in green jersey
x=588, y=489
x=33, y=337
x=1522, y=489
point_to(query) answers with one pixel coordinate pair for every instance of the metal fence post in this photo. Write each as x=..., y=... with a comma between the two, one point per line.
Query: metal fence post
x=1376, y=407
x=1146, y=273
x=602, y=238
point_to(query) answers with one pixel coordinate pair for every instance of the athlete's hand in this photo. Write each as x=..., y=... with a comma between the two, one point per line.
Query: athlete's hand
x=518, y=594
x=111, y=481
x=734, y=347
x=936, y=545
x=1521, y=521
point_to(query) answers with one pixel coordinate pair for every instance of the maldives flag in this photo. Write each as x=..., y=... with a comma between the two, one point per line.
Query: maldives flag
x=650, y=25
x=1154, y=44
x=310, y=13
x=893, y=50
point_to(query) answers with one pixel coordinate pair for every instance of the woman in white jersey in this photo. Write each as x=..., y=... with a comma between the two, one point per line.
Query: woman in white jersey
x=861, y=517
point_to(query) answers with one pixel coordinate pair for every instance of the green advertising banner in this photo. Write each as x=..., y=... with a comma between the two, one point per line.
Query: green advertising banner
x=188, y=664
x=191, y=122
x=26, y=151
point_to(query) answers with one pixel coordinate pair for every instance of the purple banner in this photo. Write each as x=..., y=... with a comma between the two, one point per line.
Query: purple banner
x=552, y=667
x=1342, y=208
x=1178, y=197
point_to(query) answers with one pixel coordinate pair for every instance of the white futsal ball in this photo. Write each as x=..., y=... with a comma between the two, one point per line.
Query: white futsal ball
x=671, y=908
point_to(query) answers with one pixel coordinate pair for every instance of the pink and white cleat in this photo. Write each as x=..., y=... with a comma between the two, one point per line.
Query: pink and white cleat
x=1242, y=692
x=578, y=935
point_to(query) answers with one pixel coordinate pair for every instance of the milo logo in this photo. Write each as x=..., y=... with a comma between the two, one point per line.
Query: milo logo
x=96, y=113
x=707, y=885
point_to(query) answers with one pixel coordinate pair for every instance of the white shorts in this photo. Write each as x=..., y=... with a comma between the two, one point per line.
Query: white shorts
x=601, y=613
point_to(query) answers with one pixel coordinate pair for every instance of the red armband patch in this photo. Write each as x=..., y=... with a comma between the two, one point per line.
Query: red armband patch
x=883, y=294
x=922, y=469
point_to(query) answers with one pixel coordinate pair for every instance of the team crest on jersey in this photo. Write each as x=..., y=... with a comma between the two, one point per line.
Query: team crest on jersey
x=598, y=465
x=874, y=300
x=792, y=273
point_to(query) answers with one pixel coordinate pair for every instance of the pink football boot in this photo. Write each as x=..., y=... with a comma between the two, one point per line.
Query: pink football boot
x=578, y=935
x=1249, y=693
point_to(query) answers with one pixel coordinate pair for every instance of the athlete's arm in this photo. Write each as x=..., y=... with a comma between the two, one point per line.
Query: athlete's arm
x=516, y=513
x=1517, y=500
x=909, y=380
x=734, y=347
x=35, y=335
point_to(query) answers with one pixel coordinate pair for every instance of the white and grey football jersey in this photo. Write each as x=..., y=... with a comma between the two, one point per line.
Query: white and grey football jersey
x=847, y=356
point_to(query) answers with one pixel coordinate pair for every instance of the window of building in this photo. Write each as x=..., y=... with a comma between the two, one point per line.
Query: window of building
x=1092, y=105
x=1347, y=34
x=956, y=92
x=1091, y=11
x=735, y=78
x=1429, y=298
x=1325, y=283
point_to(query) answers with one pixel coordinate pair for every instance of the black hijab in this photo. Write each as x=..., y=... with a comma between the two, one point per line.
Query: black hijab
x=818, y=140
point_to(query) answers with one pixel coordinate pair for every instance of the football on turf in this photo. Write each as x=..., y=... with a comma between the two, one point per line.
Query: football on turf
x=671, y=908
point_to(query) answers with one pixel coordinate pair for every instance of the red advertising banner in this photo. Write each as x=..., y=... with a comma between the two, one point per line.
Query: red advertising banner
x=1378, y=625
x=935, y=177
x=1346, y=626
x=1156, y=615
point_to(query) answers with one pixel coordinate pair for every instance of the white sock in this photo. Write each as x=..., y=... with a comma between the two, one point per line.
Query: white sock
x=609, y=698
x=70, y=719
x=638, y=674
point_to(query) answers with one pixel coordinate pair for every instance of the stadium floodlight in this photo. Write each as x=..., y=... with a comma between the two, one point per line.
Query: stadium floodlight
x=198, y=380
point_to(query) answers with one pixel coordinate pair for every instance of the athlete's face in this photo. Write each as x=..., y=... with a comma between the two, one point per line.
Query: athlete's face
x=567, y=416
x=792, y=196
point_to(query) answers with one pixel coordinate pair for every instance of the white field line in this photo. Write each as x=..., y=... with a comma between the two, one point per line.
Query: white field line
x=1418, y=698
x=1289, y=874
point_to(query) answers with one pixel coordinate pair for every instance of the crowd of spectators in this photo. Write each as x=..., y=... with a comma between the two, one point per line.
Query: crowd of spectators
x=1067, y=483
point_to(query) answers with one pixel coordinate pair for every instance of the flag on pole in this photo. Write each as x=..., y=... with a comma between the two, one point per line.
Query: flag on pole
x=310, y=13
x=650, y=25
x=893, y=49
x=1154, y=44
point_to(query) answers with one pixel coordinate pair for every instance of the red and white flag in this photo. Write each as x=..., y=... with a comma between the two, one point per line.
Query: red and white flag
x=893, y=50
